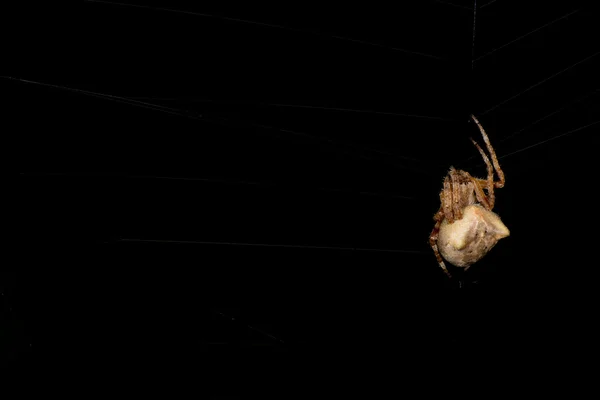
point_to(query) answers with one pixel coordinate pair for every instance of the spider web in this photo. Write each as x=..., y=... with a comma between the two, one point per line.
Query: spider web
x=294, y=155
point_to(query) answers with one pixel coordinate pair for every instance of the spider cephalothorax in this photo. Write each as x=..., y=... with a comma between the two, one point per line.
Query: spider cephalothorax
x=465, y=226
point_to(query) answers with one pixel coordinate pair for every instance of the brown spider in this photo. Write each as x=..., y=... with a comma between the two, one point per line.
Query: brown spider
x=465, y=226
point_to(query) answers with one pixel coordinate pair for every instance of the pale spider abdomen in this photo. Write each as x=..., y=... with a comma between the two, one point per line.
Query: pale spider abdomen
x=467, y=240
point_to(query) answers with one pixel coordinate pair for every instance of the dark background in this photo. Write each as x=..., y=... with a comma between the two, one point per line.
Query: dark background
x=237, y=200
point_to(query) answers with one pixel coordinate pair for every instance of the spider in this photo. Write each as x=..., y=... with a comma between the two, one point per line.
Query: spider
x=465, y=227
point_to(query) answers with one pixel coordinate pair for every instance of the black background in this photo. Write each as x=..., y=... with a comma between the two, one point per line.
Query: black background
x=237, y=200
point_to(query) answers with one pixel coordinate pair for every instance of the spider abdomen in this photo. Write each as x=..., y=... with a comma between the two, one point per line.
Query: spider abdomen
x=467, y=240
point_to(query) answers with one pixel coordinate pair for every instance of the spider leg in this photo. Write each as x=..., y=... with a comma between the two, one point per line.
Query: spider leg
x=455, y=193
x=490, y=178
x=479, y=194
x=433, y=237
x=446, y=200
x=492, y=153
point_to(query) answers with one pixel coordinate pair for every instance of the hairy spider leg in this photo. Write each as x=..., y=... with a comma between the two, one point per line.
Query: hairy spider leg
x=479, y=194
x=499, y=184
x=489, y=184
x=455, y=182
x=446, y=200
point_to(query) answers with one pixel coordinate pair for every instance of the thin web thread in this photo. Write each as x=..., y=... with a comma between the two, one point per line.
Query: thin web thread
x=525, y=35
x=487, y=4
x=452, y=4
x=336, y=145
x=213, y=180
x=539, y=83
x=233, y=319
x=561, y=135
x=303, y=106
x=264, y=24
x=288, y=246
x=550, y=139
x=568, y=104
x=474, y=30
